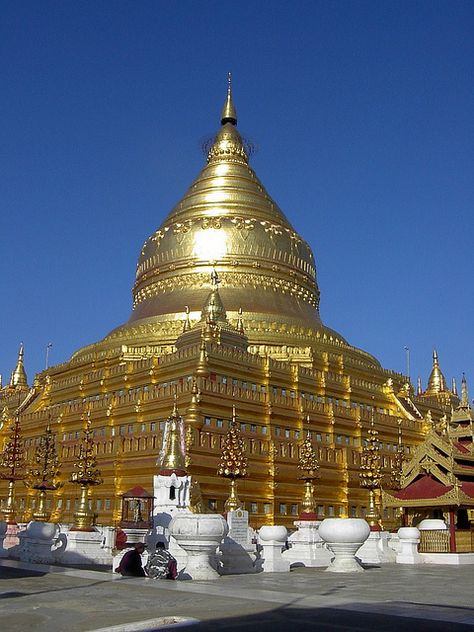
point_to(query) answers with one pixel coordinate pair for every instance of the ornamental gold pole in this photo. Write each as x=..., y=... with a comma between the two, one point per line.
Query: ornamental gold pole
x=371, y=474
x=86, y=475
x=309, y=465
x=9, y=511
x=233, y=463
x=40, y=514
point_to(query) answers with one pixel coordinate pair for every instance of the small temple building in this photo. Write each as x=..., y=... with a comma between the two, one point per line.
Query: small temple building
x=226, y=313
x=438, y=480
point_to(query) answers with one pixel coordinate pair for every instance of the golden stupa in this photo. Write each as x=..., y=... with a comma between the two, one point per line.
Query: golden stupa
x=225, y=313
x=227, y=221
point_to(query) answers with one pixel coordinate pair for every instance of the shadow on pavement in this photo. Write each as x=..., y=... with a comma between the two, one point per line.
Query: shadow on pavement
x=326, y=620
x=14, y=573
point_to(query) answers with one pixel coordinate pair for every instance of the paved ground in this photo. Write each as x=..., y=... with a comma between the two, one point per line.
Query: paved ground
x=431, y=599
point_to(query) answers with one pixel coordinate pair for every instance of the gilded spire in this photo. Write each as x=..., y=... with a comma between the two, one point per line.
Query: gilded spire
x=187, y=321
x=240, y=322
x=173, y=457
x=192, y=412
x=419, y=388
x=213, y=310
x=436, y=381
x=18, y=377
x=228, y=145
x=464, y=396
x=454, y=388
x=202, y=369
x=229, y=115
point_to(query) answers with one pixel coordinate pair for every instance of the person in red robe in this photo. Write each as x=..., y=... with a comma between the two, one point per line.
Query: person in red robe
x=131, y=563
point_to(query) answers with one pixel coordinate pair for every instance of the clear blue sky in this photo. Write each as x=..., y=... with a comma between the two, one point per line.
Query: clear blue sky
x=363, y=115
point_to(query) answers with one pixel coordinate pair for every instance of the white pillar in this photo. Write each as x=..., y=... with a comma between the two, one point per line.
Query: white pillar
x=273, y=539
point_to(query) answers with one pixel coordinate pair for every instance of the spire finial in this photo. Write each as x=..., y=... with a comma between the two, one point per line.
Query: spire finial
x=240, y=322
x=229, y=115
x=18, y=376
x=454, y=388
x=419, y=389
x=435, y=357
x=187, y=320
x=464, y=395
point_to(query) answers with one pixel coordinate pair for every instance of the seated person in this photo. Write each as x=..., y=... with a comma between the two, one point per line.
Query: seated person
x=161, y=565
x=131, y=563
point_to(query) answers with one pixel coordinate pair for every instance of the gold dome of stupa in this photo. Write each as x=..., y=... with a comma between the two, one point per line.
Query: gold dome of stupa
x=228, y=222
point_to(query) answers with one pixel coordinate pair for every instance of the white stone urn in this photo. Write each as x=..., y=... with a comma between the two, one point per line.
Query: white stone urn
x=344, y=536
x=37, y=542
x=199, y=535
x=273, y=533
x=41, y=530
x=431, y=524
x=409, y=538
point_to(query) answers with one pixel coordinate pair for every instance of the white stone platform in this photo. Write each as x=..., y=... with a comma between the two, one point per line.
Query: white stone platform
x=455, y=559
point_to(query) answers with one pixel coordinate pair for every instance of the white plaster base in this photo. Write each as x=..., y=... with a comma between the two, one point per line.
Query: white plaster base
x=306, y=546
x=178, y=553
x=375, y=549
x=11, y=539
x=84, y=547
x=344, y=560
x=38, y=542
x=135, y=535
x=272, y=558
x=455, y=559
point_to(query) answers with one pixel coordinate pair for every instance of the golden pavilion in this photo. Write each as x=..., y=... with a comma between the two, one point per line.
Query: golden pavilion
x=225, y=313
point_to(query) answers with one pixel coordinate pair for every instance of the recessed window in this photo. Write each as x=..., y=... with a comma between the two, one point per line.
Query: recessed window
x=253, y=508
x=266, y=508
x=220, y=423
x=282, y=509
x=294, y=510
x=207, y=421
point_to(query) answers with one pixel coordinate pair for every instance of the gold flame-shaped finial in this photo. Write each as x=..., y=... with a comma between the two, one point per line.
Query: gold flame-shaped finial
x=229, y=114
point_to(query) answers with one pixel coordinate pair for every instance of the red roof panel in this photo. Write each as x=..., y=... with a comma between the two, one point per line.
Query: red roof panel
x=424, y=487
